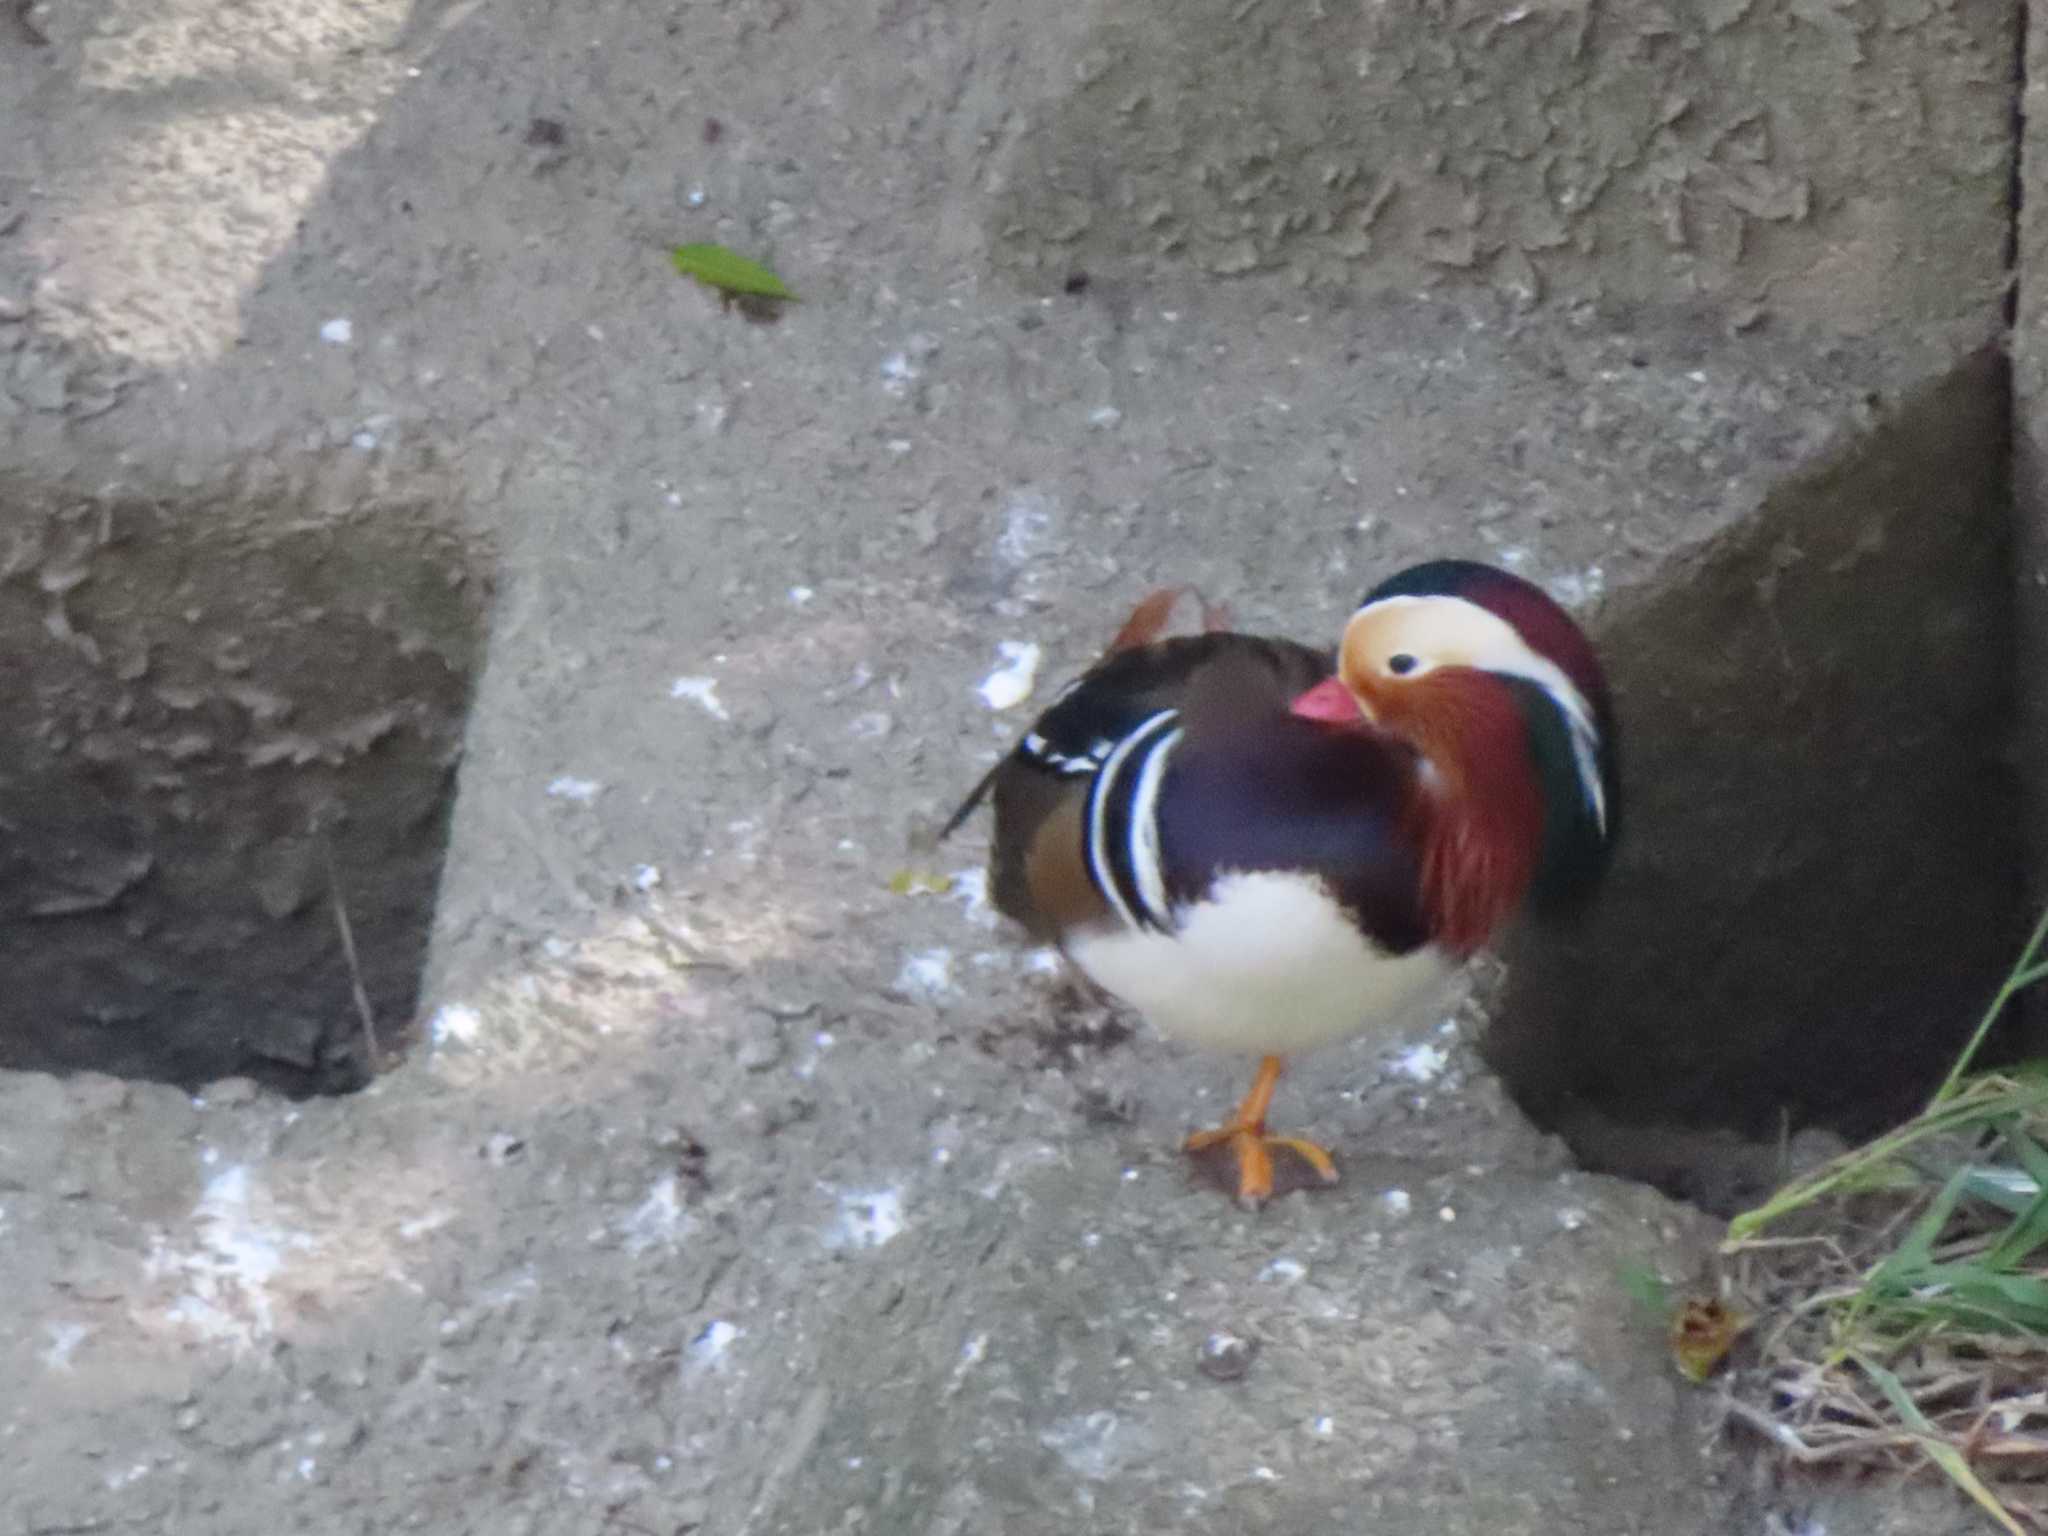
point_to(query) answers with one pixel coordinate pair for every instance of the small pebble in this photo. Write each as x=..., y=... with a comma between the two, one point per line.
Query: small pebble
x=761, y=1051
x=1226, y=1356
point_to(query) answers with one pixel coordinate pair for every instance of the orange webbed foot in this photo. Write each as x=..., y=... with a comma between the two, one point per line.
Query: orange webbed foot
x=1300, y=1164
x=1244, y=1142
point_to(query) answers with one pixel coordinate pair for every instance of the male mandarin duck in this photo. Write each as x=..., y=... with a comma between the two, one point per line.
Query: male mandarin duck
x=1263, y=847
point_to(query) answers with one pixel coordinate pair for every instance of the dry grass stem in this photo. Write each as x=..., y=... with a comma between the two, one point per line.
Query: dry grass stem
x=1899, y=1295
x=355, y=969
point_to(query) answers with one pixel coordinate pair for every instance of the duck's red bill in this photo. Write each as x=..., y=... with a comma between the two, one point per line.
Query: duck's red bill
x=1329, y=701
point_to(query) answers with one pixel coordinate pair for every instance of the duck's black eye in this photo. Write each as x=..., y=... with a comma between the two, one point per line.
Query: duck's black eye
x=1401, y=664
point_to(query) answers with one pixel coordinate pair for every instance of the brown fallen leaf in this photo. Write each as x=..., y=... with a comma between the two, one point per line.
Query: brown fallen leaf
x=1702, y=1333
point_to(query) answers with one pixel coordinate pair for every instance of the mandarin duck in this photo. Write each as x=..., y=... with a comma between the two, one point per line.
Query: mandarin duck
x=1262, y=847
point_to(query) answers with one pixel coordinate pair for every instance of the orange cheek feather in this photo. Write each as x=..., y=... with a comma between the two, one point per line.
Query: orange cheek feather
x=1482, y=835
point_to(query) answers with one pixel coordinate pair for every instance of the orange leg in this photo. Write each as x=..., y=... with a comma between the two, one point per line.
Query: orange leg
x=1248, y=1144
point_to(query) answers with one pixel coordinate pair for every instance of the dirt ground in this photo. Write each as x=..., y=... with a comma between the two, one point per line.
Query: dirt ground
x=727, y=1189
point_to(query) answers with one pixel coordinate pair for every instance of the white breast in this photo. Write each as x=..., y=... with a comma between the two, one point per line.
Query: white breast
x=1268, y=964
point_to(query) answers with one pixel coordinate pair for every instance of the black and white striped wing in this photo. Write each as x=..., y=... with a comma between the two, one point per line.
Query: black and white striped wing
x=1095, y=760
x=1122, y=824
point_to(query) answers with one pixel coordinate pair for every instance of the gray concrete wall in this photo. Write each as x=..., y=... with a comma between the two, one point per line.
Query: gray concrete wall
x=2030, y=462
x=1834, y=166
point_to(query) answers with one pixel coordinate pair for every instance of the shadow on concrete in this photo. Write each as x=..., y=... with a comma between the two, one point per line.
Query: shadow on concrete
x=234, y=731
x=1821, y=876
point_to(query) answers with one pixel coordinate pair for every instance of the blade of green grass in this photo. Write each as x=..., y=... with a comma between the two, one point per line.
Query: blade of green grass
x=2024, y=974
x=2007, y=1188
x=1977, y=1303
x=1981, y=1102
x=2028, y=1232
x=1897, y=1288
x=2019, y=1301
x=1918, y=1247
x=2028, y=1152
x=1959, y=1197
x=1940, y=1452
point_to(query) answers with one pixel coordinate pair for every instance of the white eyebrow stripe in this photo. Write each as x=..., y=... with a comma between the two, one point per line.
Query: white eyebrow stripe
x=1509, y=653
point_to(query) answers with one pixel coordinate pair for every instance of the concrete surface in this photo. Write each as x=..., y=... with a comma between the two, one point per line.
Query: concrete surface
x=1817, y=163
x=2030, y=462
x=729, y=1191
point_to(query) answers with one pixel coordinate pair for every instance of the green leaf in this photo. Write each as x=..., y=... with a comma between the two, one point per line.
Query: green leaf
x=729, y=272
x=1648, y=1289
